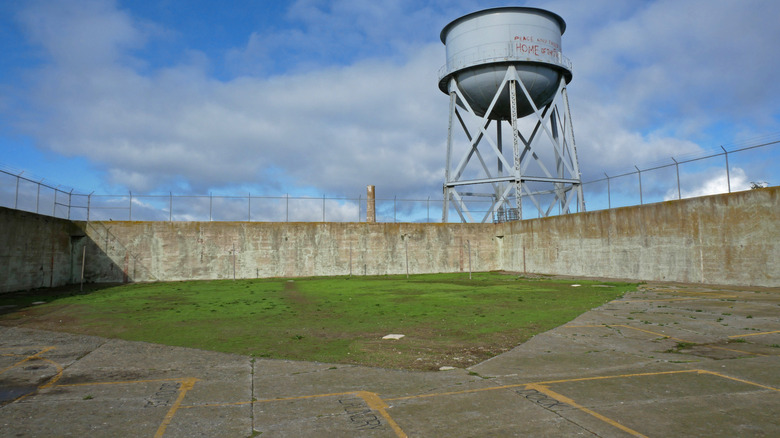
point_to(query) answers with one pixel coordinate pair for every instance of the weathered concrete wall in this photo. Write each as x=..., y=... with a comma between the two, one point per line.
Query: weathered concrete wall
x=35, y=250
x=722, y=239
x=148, y=251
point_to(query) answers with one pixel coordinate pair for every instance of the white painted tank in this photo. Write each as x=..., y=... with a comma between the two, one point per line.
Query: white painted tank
x=482, y=44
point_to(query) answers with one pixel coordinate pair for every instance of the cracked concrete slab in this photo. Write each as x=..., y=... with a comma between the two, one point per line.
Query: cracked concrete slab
x=666, y=360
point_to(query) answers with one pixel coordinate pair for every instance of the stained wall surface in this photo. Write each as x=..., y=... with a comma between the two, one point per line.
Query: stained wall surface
x=150, y=251
x=728, y=239
x=35, y=250
x=722, y=239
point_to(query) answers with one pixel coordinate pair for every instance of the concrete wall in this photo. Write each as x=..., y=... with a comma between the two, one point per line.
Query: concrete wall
x=722, y=239
x=148, y=251
x=35, y=250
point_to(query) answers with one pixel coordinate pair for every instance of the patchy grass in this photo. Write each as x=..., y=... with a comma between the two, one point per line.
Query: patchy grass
x=447, y=318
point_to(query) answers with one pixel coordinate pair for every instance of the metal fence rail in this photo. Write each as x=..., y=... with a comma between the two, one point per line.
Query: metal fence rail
x=676, y=164
x=643, y=185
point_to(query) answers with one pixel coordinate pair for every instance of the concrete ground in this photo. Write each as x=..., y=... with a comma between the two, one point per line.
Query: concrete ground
x=667, y=360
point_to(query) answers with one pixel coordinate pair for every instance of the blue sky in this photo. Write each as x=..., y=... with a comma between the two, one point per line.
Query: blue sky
x=324, y=97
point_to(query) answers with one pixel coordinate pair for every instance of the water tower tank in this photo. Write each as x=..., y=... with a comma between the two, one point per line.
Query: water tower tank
x=481, y=45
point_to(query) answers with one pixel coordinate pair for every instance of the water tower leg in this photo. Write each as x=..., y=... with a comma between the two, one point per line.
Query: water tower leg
x=543, y=166
x=560, y=194
x=446, y=207
x=518, y=183
x=575, y=161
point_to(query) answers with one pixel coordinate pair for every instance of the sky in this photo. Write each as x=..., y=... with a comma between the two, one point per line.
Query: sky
x=321, y=98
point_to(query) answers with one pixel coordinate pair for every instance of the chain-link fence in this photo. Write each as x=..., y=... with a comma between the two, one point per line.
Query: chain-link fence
x=679, y=178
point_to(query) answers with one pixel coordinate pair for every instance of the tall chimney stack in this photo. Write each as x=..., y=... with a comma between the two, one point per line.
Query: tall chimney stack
x=370, y=205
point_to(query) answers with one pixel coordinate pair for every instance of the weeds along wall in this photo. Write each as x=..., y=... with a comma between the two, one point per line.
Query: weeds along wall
x=731, y=239
x=722, y=239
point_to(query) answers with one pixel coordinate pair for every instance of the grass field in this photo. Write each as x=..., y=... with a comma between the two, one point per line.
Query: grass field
x=447, y=319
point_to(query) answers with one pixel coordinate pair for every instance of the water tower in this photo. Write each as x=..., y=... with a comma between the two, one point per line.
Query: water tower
x=505, y=68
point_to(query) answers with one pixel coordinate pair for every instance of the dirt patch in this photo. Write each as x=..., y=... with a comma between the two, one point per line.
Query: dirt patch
x=292, y=293
x=424, y=349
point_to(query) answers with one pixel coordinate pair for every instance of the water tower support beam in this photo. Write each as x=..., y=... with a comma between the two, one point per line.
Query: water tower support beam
x=473, y=151
x=552, y=118
x=559, y=146
x=515, y=140
x=446, y=207
x=461, y=207
x=573, y=156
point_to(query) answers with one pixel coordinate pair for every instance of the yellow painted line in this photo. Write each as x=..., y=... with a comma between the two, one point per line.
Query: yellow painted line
x=218, y=405
x=374, y=402
x=37, y=356
x=269, y=400
x=657, y=299
x=653, y=333
x=378, y=404
x=466, y=391
x=125, y=382
x=739, y=380
x=563, y=399
x=666, y=336
x=56, y=377
x=26, y=347
x=549, y=382
x=628, y=327
x=697, y=296
x=736, y=351
x=754, y=334
x=27, y=358
x=186, y=385
x=303, y=397
x=522, y=385
x=619, y=376
x=708, y=294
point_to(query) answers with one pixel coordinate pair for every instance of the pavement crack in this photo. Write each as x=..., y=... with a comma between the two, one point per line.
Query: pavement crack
x=252, y=395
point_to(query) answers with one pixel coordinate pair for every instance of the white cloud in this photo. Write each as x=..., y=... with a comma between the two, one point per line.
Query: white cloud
x=711, y=182
x=650, y=80
x=337, y=129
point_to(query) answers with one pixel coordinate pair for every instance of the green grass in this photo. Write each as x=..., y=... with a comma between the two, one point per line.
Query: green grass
x=447, y=318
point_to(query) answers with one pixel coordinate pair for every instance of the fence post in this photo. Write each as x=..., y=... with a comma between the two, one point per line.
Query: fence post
x=38, y=197
x=677, y=167
x=728, y=175
x=89, y=204
x=640, y=185
x=54, y=204
x=406, y=252
x=70, y=197
x=16, y=199
x=609, y=195
x=468, y=242
x=83, y=261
